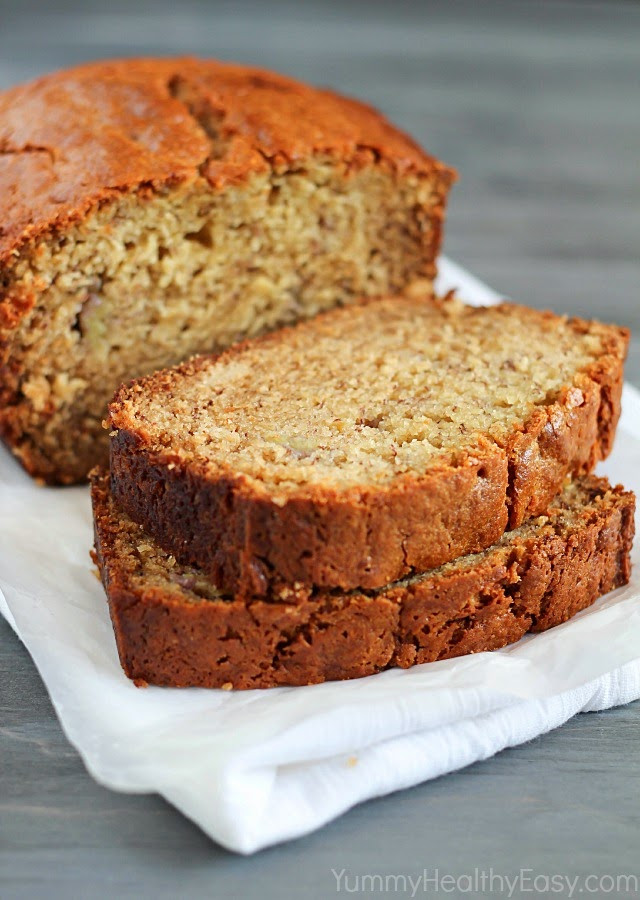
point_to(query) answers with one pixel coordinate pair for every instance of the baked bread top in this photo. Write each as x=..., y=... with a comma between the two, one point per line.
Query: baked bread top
x=76, y=138
x=369, y=442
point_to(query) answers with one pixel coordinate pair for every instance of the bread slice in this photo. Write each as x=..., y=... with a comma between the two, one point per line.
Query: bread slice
x=375, y=441
x=153, y=209
x=173, y=627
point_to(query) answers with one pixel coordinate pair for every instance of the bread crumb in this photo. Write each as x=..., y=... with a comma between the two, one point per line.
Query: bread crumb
x=227, y=686
x=196, y=289
x=362, y=395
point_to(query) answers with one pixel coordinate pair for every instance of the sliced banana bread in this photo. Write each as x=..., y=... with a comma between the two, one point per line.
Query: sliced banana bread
x=153, y=209
x=173, y=627
x=374, y=441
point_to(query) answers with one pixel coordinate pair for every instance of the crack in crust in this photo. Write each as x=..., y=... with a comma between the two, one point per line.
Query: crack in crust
x=210, y=120
x=7, y=150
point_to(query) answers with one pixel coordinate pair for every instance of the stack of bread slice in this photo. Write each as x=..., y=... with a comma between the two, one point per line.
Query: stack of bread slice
x=391, y=483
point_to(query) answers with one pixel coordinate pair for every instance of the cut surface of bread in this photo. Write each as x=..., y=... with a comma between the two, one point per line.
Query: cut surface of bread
x=380, y=439
x=173, y=627
x=153, y=209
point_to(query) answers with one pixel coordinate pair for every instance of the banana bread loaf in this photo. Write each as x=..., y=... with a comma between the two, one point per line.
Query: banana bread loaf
x=153, y=209
x=375, y=441
x=173, y=627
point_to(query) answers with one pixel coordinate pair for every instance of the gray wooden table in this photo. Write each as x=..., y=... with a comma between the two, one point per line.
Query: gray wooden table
x=538, y=104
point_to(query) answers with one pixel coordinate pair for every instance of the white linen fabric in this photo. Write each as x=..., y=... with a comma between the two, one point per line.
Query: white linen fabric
x=257, y=767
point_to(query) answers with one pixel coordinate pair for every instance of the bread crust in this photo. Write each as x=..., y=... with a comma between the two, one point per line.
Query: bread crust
x=530, y=584
x=136, y=121
x=365, y=536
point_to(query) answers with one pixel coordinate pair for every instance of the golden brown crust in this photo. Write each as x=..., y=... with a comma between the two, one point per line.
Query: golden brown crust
x=571, y=435
x=127, y=117
x=531, y=583
x=369, y=535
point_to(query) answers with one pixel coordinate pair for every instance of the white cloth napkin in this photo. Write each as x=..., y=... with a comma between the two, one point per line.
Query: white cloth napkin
x=254, y=768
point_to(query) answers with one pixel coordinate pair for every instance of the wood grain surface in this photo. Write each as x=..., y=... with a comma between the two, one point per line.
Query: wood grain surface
x=538, y=106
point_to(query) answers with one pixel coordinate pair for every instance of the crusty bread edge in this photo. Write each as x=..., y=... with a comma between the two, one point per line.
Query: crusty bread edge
x=534, y=585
